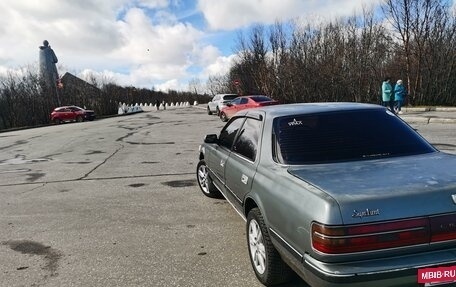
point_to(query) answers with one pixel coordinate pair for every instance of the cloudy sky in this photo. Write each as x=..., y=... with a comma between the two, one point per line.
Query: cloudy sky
x=144, y=43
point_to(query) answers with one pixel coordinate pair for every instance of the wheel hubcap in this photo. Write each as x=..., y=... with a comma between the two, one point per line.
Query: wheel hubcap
x=202, y=178
x=257, y=249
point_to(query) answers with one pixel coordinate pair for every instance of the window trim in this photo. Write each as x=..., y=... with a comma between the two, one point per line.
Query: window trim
x=258, y=118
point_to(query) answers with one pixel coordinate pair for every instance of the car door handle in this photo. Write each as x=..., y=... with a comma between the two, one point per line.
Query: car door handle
x=222, y=163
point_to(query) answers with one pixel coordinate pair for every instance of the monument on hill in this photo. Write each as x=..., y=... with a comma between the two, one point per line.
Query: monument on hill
x=48, y=68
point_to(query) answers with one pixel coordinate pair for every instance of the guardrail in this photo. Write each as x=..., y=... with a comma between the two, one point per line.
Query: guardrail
x=136, y=108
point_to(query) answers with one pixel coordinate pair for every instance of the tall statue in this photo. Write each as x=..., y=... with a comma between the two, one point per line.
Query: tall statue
x=48, y=68
x=48, y=59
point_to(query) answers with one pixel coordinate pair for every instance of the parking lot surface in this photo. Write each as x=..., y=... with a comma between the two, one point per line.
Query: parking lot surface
x=115, y=202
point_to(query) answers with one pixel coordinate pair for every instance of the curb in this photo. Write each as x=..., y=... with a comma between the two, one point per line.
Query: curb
x=415, y=120
x=429, y=109
x=428, y=120
x=442, y=120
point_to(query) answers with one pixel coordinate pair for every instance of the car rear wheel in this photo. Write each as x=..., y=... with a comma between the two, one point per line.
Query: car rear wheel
x=205, y=181
x=266, y=262
x=79, y=119
x=223, y=117
x=57, y=121
x=209, y=111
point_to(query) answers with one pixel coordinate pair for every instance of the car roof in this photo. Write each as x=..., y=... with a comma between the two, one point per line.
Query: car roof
x=309, y=108
x=250, y=96
x=66, y=107
x=60, y=108
x=223, y=95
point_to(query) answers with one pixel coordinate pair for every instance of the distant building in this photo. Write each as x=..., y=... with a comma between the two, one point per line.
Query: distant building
x=76, y=91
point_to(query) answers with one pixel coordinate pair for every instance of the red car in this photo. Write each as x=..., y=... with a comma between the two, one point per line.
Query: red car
x=71, y=113
x=245, y=102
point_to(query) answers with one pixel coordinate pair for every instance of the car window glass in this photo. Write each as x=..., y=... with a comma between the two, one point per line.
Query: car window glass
x=229, y=98
x=260, y=99
x=247, y=142
x=228, y=133
x=344, y=136
x=236, y=101
x=244, y=101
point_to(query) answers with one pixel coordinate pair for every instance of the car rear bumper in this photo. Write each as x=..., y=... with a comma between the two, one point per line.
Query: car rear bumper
x=392, y=271
x=89, y=117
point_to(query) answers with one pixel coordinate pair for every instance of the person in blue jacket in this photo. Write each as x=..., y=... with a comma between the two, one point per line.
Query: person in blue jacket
x=387, y=91
x=399, y=96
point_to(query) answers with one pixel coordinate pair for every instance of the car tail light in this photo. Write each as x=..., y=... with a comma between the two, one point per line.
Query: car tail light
x=443, y=227
x=358, y=238
x=383, y=235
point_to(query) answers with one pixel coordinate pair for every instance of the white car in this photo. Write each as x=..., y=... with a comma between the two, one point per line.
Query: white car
x=218, y=102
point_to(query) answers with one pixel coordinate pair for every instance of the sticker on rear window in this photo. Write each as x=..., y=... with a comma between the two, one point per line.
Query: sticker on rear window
x=295, y=123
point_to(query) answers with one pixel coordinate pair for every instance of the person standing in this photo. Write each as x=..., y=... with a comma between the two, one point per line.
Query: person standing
x=387, y=90
x=399, y=96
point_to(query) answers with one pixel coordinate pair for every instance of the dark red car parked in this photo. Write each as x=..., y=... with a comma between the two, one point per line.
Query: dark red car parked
x=71, y=114
x=244, y=102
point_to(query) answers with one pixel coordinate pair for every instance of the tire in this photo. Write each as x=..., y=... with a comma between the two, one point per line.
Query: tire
x=205, y=181
x=223, y=117
x=57, y=121
x=217, y=110
x=266, y=262
x=209, y=111
x=79, y=119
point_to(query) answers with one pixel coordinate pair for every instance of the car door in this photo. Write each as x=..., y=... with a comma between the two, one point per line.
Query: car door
x=242, y=104
x=216, y=158
x=73, y=113
x=241, y=165
x=213, y=103
x=66, y=114
x=232, y=108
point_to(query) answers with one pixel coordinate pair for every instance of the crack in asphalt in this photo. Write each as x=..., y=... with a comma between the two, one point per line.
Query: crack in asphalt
x=99, y=178
x=101, y=163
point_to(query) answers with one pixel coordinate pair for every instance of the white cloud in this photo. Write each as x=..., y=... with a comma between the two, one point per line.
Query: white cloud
x=145, y=43
x=153, y=3
x=220, y=66
x=170, y=85
x=233, y=14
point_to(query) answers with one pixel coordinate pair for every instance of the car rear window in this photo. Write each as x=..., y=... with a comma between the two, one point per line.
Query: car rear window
x=229, y=97
x=260, y=99
x=344, y=136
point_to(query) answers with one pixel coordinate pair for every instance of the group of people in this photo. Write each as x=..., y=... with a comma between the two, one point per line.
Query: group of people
x=393, y=97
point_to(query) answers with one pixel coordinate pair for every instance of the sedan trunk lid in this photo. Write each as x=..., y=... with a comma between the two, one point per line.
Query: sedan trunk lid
x=387, y=189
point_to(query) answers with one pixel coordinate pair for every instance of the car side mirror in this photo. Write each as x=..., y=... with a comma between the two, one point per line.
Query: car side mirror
x=212, y=138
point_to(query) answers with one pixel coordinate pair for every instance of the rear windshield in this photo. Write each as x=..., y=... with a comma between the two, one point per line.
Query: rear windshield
x=344, y=136
x=260, y=99
x=229, y=97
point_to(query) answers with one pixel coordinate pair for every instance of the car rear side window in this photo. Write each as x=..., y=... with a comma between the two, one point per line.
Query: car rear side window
x=228, y=134
x=344, y=136
x=247, y=142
